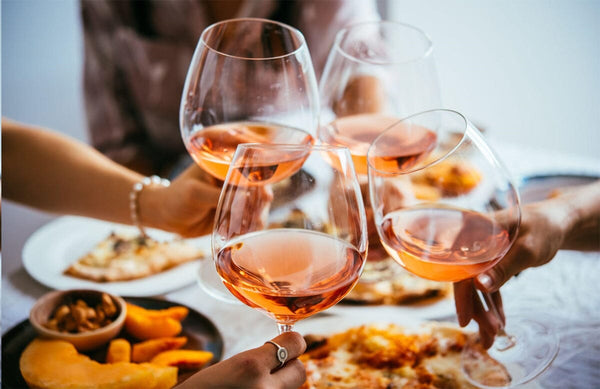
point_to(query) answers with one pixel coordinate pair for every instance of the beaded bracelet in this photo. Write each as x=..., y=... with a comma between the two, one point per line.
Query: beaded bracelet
x=134, y=198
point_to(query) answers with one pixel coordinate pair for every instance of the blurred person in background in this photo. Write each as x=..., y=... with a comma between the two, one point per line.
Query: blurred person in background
x=137, y=55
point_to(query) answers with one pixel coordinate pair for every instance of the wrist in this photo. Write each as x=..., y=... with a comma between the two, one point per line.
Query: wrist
x=145, y=202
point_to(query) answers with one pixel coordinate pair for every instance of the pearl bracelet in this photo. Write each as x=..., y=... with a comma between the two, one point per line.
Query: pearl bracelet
x=134, y=207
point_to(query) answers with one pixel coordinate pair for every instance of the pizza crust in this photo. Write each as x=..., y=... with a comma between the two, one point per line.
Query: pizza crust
x=122, y=257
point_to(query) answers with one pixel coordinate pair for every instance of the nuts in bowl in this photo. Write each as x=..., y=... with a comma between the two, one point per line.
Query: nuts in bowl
x=86, y=318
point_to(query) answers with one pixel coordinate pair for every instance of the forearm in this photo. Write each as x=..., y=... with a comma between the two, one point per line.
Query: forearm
x=53, y=173
x=583, y=225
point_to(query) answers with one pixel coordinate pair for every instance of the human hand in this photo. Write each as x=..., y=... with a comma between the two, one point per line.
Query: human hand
x=541, y=235
x=469, y=306
x=256, y=369
x=186, y=207
x=244, y=209
x=363, y=94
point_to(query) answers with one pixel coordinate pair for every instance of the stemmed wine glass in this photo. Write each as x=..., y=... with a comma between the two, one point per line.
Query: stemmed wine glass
x=250, y=80
x=376, y=73
x=446, y=210
x=285, y=253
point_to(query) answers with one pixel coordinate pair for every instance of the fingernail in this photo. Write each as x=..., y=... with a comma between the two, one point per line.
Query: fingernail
x=485, y=280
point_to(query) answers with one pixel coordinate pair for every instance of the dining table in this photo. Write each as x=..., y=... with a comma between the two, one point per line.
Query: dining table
x=564, y=293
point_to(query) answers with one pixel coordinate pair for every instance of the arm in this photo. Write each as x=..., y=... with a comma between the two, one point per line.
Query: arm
x=256, y=368
x=49, y=171
x=568, y=221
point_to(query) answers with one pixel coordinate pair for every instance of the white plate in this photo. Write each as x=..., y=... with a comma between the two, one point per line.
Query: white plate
x=55, y=246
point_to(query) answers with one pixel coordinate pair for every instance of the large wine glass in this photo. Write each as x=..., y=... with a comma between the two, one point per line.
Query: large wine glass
x=446, y=210
x=376, y=73
x=250, y=80
x=289, y=237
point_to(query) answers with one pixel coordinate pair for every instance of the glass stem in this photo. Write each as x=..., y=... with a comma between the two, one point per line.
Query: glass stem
x=503, y=340
x=285, y=327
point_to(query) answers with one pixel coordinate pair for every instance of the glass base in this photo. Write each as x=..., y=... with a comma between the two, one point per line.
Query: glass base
x=535, y=347
x=211, y=283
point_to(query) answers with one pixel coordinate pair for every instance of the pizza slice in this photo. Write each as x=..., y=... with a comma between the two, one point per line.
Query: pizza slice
x=389, y=356
x=122, y=257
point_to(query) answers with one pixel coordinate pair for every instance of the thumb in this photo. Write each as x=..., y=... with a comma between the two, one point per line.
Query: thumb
x=491, y=280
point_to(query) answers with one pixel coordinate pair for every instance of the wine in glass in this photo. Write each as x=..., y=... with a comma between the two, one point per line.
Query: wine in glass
x=250, y=81
x=302, y=256
x=376, y=73
x=466, y=223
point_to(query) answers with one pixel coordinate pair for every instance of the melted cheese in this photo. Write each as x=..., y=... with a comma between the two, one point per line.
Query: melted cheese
x=374, y=357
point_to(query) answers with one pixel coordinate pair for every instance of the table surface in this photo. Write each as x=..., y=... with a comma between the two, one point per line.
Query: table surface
x=565, y=293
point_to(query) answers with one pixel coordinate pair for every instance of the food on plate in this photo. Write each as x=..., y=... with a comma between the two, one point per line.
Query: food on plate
x=121, y=360
x=389, y=356
x=147, y=324
x=119, y=350
x=75, y=315
x=57, y=364
x=183, y=359
x=148, y=349
x=386, y=282
x=448, y=177
x=122, y=257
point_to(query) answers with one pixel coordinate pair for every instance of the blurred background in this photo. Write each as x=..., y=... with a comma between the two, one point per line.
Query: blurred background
x=527, y=71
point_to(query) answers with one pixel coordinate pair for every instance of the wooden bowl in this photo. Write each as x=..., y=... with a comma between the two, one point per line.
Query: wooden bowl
x=44, y=308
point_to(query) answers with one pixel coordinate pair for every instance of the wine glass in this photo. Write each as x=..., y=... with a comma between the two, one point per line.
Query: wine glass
x=376, y=73
x=287, y=253
x=250, y=80
x=446, y=210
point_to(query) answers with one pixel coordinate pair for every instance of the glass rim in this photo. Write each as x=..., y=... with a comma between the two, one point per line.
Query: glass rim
x=294, y=30
x=464, y=133
x=426, y=53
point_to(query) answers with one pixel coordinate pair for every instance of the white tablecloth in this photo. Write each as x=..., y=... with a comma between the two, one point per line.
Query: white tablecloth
x=564, y=293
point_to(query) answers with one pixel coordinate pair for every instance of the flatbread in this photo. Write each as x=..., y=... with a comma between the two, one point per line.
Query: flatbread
x=122, y=257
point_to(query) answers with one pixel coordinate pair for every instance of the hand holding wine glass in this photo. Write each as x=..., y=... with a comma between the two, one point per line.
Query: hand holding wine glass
x=459, y=214
x=304, y=255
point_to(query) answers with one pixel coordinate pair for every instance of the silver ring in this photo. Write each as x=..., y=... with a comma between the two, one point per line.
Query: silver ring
x=282, y=353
